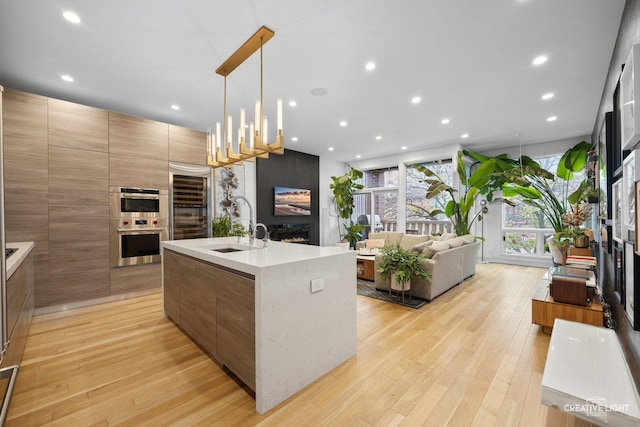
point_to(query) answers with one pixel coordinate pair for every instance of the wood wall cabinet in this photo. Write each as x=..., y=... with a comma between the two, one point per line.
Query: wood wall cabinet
x=216, y=308
x=142, y=172
x=78, y=126
x=133, y=136
x=78, y=177
x=187, y=145
x=26, y=174
x=20, y=305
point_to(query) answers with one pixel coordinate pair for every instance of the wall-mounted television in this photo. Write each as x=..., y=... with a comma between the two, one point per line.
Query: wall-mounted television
x=291, y=201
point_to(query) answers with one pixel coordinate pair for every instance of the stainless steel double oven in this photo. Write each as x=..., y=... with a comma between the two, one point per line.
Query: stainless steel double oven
x=139, y=221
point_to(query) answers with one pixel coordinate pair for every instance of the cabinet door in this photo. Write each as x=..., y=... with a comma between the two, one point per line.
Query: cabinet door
x=236, y=325
x=172, y=270
x=187, y=145
x=198, y=305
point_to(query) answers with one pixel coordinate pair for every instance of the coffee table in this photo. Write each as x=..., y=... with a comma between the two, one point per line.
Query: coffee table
x=366, y=267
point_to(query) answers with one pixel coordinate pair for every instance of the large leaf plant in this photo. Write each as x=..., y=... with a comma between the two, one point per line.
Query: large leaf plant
x=343, y=188
x=482, y=176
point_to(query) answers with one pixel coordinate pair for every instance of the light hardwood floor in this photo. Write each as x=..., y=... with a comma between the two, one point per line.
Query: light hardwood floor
x=471, y=357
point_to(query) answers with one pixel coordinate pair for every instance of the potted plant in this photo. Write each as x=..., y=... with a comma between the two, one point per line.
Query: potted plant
x=401, y=266
x=565, y=214
x=343, y=188
x=221, y=228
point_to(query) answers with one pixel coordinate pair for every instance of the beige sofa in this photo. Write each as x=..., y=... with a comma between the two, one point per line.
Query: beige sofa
x=448, y=265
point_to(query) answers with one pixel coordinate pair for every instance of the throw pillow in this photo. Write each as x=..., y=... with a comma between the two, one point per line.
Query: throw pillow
x=447, y=236
x=456, y=242
x=420, y=246
x=428, y=252
x=440, y=246
x=374, y=243
x=468, y=238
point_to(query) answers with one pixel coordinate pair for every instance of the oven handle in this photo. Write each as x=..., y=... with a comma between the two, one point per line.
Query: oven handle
x=137, y=230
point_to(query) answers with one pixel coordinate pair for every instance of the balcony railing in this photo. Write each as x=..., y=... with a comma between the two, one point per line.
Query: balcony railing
x=419, y=226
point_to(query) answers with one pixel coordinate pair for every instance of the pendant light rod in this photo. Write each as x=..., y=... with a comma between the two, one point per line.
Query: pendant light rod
x=249, y=47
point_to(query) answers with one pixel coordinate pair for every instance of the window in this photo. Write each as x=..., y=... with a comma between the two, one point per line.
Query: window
x=524, y=228
x=379, y=196
x=418, y=206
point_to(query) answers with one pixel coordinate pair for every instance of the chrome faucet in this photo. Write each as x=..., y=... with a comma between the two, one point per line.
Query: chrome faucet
x=234, y=201
x=265, y=239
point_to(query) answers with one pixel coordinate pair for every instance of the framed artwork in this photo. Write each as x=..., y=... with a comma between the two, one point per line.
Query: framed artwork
x=616, y=196
x=629, y=303
x=629, y=194
x=637, y=236
x=601, y=182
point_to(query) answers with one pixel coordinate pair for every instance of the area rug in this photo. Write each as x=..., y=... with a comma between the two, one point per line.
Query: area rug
x=367, y=288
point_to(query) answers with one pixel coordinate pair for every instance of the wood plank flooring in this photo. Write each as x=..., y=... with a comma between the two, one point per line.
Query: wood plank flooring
x=469, y=358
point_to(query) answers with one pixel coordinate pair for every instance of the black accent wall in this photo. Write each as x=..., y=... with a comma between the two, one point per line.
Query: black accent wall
x=292, y=169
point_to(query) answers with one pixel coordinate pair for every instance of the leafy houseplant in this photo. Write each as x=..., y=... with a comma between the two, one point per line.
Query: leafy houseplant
x=221, y=227
x=343, y=188
x=483, y=177
x=401, y=266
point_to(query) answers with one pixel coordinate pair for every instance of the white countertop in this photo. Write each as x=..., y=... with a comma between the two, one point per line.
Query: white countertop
x=14, y=261
x=256, y=256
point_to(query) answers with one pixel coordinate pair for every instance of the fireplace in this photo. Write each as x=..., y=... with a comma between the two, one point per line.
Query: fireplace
x=290, y=233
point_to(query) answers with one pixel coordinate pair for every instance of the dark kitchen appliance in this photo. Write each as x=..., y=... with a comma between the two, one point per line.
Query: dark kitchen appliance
x=189, y=207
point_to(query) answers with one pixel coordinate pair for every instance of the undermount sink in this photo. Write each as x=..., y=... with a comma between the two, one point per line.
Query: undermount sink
x=229, y=247
x=225, y=250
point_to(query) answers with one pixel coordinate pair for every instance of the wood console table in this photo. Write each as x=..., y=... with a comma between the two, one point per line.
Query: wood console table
x=544, y=310
x=366, y=267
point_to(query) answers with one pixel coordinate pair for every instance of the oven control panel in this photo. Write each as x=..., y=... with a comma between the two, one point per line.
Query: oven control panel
x=141, y=223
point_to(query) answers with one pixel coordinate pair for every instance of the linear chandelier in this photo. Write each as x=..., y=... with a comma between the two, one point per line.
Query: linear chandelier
x=220, y=146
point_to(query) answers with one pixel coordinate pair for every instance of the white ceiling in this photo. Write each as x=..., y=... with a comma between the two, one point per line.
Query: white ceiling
x=469, y=60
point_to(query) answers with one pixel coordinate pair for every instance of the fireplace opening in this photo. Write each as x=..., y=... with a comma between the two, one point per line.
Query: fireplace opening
x=290, y=233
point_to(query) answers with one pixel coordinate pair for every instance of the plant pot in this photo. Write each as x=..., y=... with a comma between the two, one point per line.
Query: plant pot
x=581, y=241
x=405, y=286
x=343, y=245
x=558, y=252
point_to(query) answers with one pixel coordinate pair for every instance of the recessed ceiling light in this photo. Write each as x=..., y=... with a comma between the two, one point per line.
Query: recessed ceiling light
x=358, y=156
x=540, y=60
x=71, y=17
x=370, y=66
x=416, y=100
x=445, y=121
x=547, y=96
x=378, y=137
x=175, y=107
x=404, y=147
x=343, y=123
x=292, y=103
x=66, y=78
x=294, y=138
x=330, y=148
x=552, y=119
x=464, y=136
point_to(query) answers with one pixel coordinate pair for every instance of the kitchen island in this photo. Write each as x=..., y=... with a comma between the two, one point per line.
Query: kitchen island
x=279, y=317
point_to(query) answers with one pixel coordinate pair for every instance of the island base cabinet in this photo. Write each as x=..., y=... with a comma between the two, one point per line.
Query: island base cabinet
x=236, y=325
x=215, y=307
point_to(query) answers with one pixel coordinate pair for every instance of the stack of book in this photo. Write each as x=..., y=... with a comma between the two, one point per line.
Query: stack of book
x=581, y=261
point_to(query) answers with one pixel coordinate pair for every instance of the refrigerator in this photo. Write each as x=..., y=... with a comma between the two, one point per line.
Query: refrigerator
x=189, y=204
x=8, y=374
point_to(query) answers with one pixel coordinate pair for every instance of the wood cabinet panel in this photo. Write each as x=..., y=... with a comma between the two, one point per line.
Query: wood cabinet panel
x=198, y=299
x=187, y=145
x=133, y=136
x=236, y=325
x=78, y=176
x=20, y=305
x=26, y=166
x=135, y=278
x=78, y=126
x=128, y=171
x=171, y=284
x=78, y=252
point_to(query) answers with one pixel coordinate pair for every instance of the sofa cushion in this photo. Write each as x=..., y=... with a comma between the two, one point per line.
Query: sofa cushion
x=390, y=237
x=408, y=241
x=447, y=236
x=374, y=243
x=428, y=252
x=468, y=238
x=440, y=246
x=456, y=242
x=420, y=246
